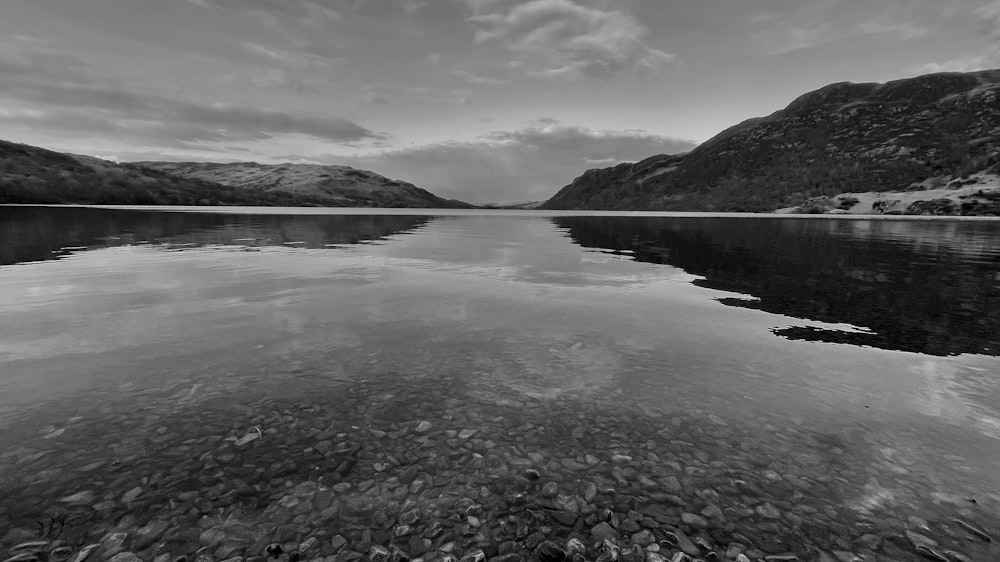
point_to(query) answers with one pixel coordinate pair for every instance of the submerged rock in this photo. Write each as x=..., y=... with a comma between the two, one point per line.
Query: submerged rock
x=549, y=551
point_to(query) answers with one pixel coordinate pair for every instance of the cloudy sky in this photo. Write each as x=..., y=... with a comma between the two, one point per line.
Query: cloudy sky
x=482, y=100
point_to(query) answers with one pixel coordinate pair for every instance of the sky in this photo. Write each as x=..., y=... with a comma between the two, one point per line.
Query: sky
x=479, y=100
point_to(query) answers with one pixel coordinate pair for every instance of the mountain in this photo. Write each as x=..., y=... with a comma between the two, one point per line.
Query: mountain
x=29, y=174
x=340, y=186
x=938, y=131
x=522, y=205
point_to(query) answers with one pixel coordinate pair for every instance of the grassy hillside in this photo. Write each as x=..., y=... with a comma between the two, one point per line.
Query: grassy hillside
x=30, y=174
x=329, y=185
x=912, y=134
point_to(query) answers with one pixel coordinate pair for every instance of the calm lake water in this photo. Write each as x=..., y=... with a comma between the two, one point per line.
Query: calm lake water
x=334, y=381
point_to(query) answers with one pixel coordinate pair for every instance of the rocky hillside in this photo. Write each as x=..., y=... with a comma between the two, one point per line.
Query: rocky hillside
x=29, y=174
x=341, y=186
x=929, y=132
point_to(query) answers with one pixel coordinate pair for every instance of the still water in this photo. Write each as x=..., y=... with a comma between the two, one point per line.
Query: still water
x=204, y=384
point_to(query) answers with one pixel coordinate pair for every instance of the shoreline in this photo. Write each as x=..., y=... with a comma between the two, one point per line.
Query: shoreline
x=396, y=211
x=981, y=190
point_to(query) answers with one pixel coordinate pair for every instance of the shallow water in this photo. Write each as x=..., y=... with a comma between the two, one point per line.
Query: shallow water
x=781, y=386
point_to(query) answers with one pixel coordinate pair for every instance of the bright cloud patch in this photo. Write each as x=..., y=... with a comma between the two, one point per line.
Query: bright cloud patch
x=528, y=164
x=984, y=60
x=559, y=37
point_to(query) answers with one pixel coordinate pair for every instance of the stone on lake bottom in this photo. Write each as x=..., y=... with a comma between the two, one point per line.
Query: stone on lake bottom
x=474, y=556
x=769, y=511
x=602, y=531
x=643, y=538
x=549, y=551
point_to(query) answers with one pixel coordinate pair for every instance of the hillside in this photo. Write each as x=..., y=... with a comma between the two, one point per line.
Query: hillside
x=30, y=174
x=937, y=131
x=330, y=185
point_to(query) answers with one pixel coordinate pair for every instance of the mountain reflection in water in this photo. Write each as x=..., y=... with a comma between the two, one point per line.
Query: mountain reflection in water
x=926, y=287
x=43, y=233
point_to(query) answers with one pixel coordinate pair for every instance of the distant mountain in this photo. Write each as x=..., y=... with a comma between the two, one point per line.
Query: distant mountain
x=340, y=186
x=938, y=131
x=523, y=205
x=29, y=174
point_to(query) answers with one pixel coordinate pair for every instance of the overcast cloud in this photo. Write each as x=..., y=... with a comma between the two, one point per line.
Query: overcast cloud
x=527, y=164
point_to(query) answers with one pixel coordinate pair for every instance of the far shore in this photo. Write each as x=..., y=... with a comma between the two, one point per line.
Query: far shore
x=418, y=211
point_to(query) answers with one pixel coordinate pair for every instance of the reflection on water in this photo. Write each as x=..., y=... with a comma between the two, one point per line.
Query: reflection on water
x=43, y=233
x=207, y=384
x=927, y=287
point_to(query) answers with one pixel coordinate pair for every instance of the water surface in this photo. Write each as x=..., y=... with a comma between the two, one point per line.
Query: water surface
x=814, y=387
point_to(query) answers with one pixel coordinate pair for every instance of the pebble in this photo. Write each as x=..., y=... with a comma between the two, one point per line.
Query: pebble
x=685, y=544
x=357, y=478
x=84, y=553
x=643, y=538
x=132, y=495
x=976, y=532
x=474, y=556
x=920, y=540
x=602, y=531
x=694, y=520
x=549, y=551
x=55, y=433
x=378, y=553
x=671, y=485
x=769, y=511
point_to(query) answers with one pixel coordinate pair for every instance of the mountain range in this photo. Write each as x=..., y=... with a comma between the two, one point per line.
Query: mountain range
x=29, y=174
x=923, y=145
x=937, y=133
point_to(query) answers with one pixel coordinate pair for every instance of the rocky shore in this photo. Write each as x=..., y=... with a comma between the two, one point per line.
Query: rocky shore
x=385, y=470
x=977, y=195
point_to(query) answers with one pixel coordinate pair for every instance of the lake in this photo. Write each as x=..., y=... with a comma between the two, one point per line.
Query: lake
x=389, y=385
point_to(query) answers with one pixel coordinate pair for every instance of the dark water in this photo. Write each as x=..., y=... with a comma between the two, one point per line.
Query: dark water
x=210, y=383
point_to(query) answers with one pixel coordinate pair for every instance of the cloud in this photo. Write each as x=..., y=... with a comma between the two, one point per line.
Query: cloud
x=304, y=11
x=476, y=79
x=295, y=59
x=531, y=163
x=969, y=63
x=901, y=30
x=389, y=93
x=411, y=6
x=786, y=37
x=562, y=38
x=66, y=95
x=989, y=19
x=793, y=25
